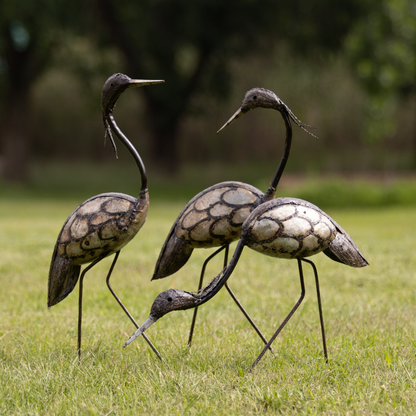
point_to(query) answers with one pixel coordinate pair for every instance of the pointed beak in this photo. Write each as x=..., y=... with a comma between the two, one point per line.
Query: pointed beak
x=148, y=322
x=133, y=83
x=237, y=115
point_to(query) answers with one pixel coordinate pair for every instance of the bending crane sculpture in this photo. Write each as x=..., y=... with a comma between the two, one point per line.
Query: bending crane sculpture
x=213, y=218
x=288, y=228
x=103, y=224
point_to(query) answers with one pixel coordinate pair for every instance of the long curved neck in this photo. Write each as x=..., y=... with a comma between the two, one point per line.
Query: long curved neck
x=219, y=281
x=271, y=192
x=131, y=149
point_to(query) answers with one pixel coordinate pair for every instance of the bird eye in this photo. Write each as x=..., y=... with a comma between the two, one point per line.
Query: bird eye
x=255, y=97
x=111, y=84
x=169, y=299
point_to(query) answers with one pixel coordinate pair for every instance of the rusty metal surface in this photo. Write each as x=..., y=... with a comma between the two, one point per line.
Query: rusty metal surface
x=293, y=229
x=288, y=231
x=212, y=218
x=101, y=225
x=215, y=216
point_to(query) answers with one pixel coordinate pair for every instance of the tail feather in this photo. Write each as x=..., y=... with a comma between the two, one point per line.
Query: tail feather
x=344, y=250
x=63, y=276
x=174, y=254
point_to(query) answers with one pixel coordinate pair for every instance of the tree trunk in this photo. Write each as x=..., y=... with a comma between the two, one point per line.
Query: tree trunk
x=15, y=137
x=16, y=141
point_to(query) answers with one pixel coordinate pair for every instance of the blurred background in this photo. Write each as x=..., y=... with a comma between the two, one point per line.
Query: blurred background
x=347, y=68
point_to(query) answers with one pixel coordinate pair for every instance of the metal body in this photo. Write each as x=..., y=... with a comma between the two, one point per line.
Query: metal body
x=103, y=224
x=292, y=228
x=99, y=227
x=213, y=218
x=287, y=228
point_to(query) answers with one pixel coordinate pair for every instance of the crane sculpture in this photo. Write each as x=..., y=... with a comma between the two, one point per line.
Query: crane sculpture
x=214, y=217
x=287, y=228
x=103, y=224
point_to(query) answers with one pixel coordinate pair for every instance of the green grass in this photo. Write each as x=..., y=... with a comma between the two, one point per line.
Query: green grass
x=369, y=313
x=370, y=317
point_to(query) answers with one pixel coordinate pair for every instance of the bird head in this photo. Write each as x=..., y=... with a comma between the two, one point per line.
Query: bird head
x=174, y=300
x=168, y=301
x=115, y=85
x=262, y=98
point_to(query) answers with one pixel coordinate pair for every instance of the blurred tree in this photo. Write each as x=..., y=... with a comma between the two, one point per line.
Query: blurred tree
x=191, y=45
x=382, y=50
x=29, y=31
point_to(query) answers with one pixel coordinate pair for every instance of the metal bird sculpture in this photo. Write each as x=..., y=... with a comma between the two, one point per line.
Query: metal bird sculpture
x=287, y=228
x=103, y=224
x=213, y=218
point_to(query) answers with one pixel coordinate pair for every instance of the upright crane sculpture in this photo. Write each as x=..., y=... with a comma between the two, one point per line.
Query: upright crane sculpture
x=103, y=224
x=213, y=218
x=288, y=228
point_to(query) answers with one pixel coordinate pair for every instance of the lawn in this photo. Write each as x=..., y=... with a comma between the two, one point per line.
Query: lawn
x=370, y=317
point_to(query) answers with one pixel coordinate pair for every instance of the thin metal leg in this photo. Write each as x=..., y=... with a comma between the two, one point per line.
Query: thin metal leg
x=124, y=308
x=201, y=279
x=80, y=316
x=302, y=295
x=321, y=316
x=245, y=313
x=81, y=281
